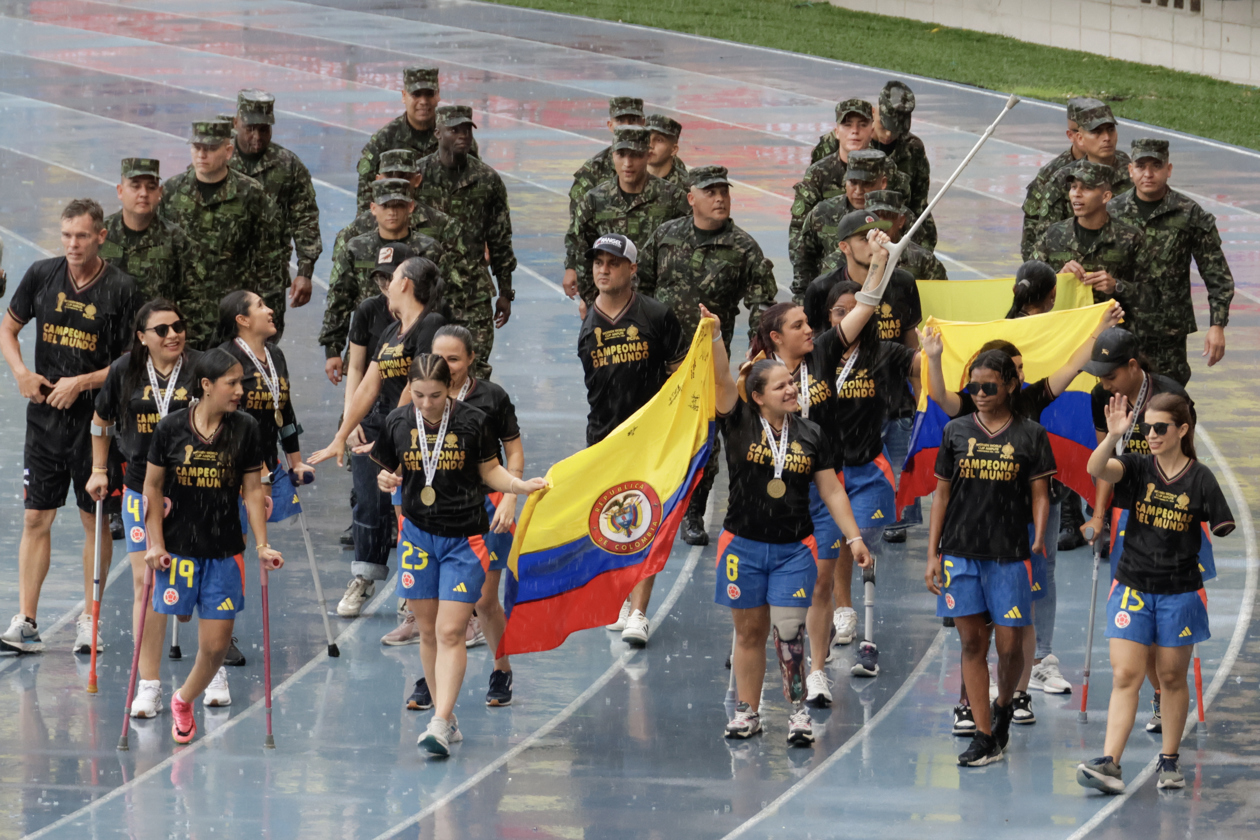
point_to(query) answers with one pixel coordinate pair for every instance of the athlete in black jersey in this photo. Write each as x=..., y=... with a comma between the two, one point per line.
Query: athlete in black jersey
x=146, y=384
x=414, y=294
x=442, y=453
x=1157, y=605
x=629, y=344
x=83, y=310
x=766, y=559
x=201, y=461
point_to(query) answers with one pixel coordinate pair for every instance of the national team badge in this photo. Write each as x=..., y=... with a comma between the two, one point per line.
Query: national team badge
x=732, y=591
x=137, y=534
x=408, y=580
x=949, y=601
x=1122, y=619
x=170, y=597
x=625, y=517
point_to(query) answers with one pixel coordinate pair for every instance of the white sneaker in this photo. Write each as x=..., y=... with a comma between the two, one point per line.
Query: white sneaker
x=357, y=594
x=620, y=623
x=148, y=699
x=817, y=690
x=21, y=637
x=1047, y=677
x=473, y=635
x=800, y=729
x=845, y=621
x=636, y=632
x=439, y=736
x=217, y=693
x=83, y=635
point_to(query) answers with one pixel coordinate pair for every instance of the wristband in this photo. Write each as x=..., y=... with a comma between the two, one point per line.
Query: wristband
x=100, y=469
x=102, y=431
x=855, y=539
x=262, y=546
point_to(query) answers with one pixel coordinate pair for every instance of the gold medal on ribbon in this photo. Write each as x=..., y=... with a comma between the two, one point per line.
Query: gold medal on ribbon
x=279, y=418
x=776, y=488
x=428, y=496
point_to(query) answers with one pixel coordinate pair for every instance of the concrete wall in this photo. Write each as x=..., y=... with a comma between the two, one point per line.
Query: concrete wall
x=1221, y=38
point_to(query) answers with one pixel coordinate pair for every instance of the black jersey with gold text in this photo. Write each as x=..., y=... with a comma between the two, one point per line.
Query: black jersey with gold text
x=861, y=405
x=259, y=403
x=394, y=353
x=1157, y=384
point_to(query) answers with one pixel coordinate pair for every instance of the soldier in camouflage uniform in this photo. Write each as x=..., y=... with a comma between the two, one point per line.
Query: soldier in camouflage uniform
x=706, y=259
x=351, y=279
x=1177, y=229
x=921, y=263
x=286, y=179
x=155, y=252
x=815, y=243
x=473, y=194
x=633, y=203
x=663, y=160
x=413, y=129
x=1092, y=132
x=234, y=224
x=622, y=110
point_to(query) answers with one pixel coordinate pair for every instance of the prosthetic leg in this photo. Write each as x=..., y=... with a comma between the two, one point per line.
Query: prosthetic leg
x=789, y=646
x=867, y=664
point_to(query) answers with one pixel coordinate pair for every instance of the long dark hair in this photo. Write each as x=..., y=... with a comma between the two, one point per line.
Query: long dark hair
x=771, y=321
x=1004, y=366
x=232, y=305
x=1179, y=408
x=426, y=284
x=137, y=372
x=1034, y=282
x=211, y=365
x=867, y=339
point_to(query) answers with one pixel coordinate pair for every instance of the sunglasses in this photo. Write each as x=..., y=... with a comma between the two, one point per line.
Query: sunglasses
x=1160, y=429
x=989, y=389
x=163, y=330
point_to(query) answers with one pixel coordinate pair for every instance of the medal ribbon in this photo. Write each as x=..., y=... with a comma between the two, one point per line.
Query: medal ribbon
x=1123, y=443
x=269, y=375
x=163, y=398
x=463, y=392
x=777, y=451
x=845, y=371
x=430, y=463
x=802, y=393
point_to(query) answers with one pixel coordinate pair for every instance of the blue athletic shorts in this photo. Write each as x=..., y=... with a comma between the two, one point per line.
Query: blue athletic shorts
x=133, y=510
x=216, y=587
x=1120, y=520
x=499, y=546
x=871, y=495
x=446, y=568
x=1040, y=566
x=284, y=500
x=972, y=587
x=827, y=534
x=753, y=574
x=1164, y=620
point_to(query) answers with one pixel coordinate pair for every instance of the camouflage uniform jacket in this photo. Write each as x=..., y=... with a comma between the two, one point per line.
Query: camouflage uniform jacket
x=1046, y=201
x=907, y=153
x=1120, y=250
x=476, y=199
x=395, y=134
x=238, y=238
x=1176, y=231
x=351, y=282
x=286, y=179
x=588, y=176
x=678, y=175
x=455, y=266
x=683, y=267
x=824, y=180
x=606, y=209
x=921, y=263
x=161, y=260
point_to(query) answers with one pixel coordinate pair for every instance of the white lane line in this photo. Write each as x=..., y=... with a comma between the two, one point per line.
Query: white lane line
x=1241, y=627
x=534, y=274
x=17, y=237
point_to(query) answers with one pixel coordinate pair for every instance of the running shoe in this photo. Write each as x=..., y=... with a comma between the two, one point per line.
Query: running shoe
x=1070, y=538
x=473, y=637
x=1047, y=677
x=347, y=537
x=1170, y=776
x=1022, y=711
x=867, y=664
x=800, y=729
x=439, y=736
x=693, y=531
x=745, y=724
x=1156, y=723
x=620, y=623
x=1100, y=774
x=116, y=531
x=895, y=535
x=233, y=658
x=148, y=700
x=357, y=594
x=83, y=635
x=217, y=693
x=184, y=726
x=420, y=699
x=1001, y=720
x=844, y=620
x=818, y=690
x=22, y=636
x=406, y=633
x=500, y=693
x=636, y=632
x=964, y=720
x=984, y=750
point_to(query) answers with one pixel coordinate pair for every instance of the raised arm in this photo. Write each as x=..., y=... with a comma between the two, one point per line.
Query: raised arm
x=934, y=346
x=1103, y=465
x=724, y=383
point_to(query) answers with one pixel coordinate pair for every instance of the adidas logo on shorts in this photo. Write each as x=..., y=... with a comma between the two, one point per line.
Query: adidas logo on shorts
x=227, y=604
x=1013, y=612
x=879, y=514
x=1036, y=587
x=460, y=588
x=1184, y=633
x=800, y=593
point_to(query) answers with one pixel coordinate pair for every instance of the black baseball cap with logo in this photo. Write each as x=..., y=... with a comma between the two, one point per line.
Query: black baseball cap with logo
x=859, y=221
x=390, y=257
x=615, y=244
x=1115, y=347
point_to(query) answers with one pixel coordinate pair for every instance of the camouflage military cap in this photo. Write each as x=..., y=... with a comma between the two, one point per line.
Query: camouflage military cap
x=399, y=160
x=866, y=165
x=139, y=167
x=631, y=138
x=450, y=116
x=888, y=201
x=225, y=117
x=420, y=78
x=211, y=132
x=1088, y=113
x=256, y=107
x=390, y=189
x=625, y=106
x=896, y=104
x=662, y=124
x=1088, y=173
x=854, y=106
x=708, y=176
x=1148, y=147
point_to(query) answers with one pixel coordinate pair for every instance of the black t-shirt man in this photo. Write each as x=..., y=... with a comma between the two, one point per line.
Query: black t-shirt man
x=899, y=312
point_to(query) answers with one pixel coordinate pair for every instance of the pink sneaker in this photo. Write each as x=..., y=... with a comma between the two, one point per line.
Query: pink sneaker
x=184, y=727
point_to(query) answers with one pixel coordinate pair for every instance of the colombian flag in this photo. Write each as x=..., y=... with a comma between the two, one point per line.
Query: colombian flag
x=1045, y=341
x=609, y=519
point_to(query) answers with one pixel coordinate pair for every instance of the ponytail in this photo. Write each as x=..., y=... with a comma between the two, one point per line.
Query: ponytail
x=1034, y=283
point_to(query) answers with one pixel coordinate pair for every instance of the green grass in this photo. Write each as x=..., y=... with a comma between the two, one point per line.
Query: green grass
x=1186, y=102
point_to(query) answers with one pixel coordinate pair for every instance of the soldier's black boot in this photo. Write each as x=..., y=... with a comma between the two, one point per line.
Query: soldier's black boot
x=1070, y=536
x=693, y=532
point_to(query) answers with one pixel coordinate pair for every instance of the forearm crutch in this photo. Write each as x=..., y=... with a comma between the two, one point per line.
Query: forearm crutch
x=135, y=657
x=96, y=594
x=1102, y=543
